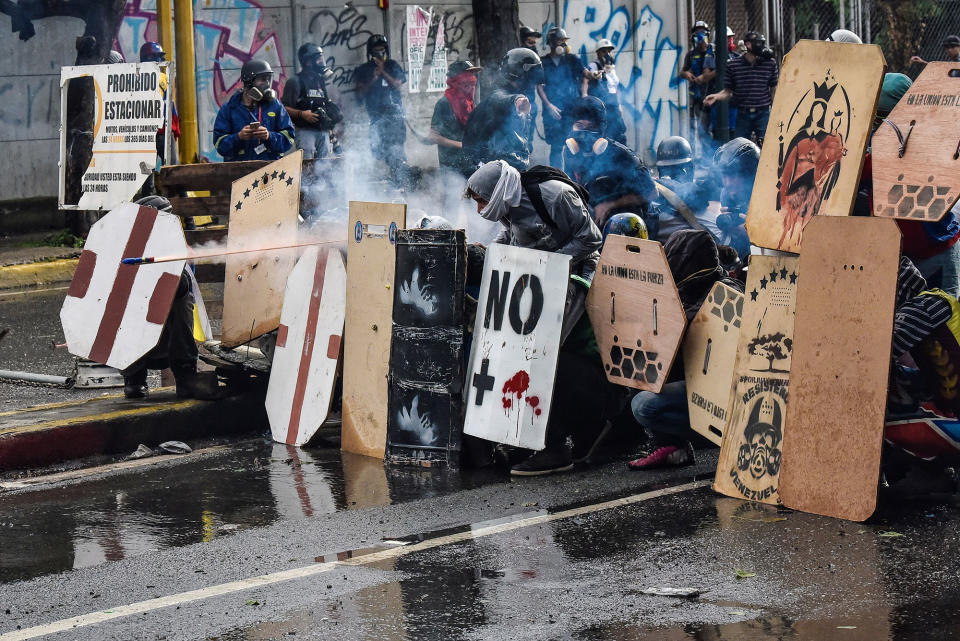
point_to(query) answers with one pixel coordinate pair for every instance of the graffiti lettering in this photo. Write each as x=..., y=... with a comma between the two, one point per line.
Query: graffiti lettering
x=346, y=28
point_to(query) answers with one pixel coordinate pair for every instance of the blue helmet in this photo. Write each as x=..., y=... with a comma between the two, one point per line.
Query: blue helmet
x=625, y=225
x=152, y=52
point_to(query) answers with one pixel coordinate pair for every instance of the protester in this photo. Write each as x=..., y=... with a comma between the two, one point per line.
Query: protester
x=951, y=49
x=751, y=81
x=616, y=178
x=699, y=70
x=529, y=38
x=176, y=348
x=562, y=79
x=451, y=112
x=153, y=52
x=308, y=102
x=378, y=83
x=252, y=124
x=604, y=84
x=695, y=266
x=582, y=397
x=736, y=161
x=684, y=199
x=499, y=127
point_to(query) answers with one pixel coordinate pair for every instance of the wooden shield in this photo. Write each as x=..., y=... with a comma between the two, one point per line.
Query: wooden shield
x=263, y=213
x=913, y=152
x=709, y=354
x=635, y=312
x=308, y=346
x=841, y=361
x=813, y=150
x=114, y=313
x=516, y=338
x=749, y=464
x=371, y=257
x=426, y=353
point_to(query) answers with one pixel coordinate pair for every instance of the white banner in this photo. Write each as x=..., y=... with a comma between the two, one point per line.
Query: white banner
x=130, y=108
x=438, y=66
x=418, y=27
x=513, y=360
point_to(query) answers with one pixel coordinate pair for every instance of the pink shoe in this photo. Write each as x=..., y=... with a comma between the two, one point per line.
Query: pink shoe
x=666, y=456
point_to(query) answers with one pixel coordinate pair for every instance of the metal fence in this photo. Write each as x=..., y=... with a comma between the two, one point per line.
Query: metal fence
x=903, y=28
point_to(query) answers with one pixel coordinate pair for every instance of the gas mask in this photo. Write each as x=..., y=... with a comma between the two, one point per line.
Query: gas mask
x=560, y=49
x=256, y=94
x=378, y=54
x=606, y=60
x=319, y=66
x=699, y=38
x=758, y=47
x=587, y=140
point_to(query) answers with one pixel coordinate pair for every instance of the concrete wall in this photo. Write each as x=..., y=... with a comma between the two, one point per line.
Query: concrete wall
x=648, y=35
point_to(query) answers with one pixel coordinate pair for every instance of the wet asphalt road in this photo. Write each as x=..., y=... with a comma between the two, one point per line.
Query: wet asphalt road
x=256, y=508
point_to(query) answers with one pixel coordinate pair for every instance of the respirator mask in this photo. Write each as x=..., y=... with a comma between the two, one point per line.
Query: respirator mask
x=261, y=89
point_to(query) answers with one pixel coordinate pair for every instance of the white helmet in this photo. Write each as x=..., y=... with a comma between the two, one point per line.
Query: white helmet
x=604, y=43
x=729, y=32
x=844, y=35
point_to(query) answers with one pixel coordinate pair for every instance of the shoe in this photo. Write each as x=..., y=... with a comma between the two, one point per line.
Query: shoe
x=200, y=385
x=548, y=461
x=666, y=456
x=135, y=385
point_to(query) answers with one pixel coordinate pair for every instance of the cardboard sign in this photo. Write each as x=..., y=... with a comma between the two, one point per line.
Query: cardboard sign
x=513, y=359
x=635, y=312
x=914, y=159
x=750, y=451
x=812, y=154
x=130, y=108
x=841, y=363
x=263, y=213
x=308, y=346
x=426, y=352
x=709, y=354
x=114, y=313
x=418, y=28
x=371, y=261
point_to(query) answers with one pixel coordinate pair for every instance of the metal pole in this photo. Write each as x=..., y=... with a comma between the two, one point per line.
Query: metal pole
x=843, y=16
x=186, y=81
x=793, y=25
x=30, y=377
x=723, y=109
x=816, y=30
x=165, y=26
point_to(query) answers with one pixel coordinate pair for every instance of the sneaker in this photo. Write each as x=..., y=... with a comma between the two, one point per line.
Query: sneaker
x=548, y=461
x=666, y=456
x=135, y=385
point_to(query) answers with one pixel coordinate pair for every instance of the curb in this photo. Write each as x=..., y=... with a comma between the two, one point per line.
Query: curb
x=30, y=275
x=60, y=432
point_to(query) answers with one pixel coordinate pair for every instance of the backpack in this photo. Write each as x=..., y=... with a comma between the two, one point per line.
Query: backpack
x=531, y=179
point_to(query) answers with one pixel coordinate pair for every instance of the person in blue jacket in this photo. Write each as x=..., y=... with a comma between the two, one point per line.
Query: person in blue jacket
x=252, y=124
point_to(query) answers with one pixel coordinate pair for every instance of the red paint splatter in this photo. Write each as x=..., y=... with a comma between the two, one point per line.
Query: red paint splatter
x=538, y=411
x=533, y=401
x=515, y=385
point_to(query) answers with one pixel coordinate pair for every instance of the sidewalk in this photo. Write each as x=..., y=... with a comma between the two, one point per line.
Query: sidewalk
x=57, y=432
x=24, y=263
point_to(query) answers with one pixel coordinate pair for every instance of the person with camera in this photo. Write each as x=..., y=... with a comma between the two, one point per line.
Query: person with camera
x=699, y=70
x=252, y=124
x=604, y=84
x=306, y=99
x=751, y=81
x=378, y=86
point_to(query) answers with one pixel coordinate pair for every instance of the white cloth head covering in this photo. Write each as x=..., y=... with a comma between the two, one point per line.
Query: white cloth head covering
x=499, y=184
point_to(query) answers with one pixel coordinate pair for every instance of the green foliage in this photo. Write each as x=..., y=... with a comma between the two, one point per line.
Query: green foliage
x=63, y=238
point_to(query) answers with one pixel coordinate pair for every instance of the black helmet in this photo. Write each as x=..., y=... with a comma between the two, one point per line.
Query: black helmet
x=377, y=40
x=307, y=54
x=951, y=41
x=519, y=63
x=157, y=202
x=674, y=150
x=737, y=156
x=590, y=108
x=527, y=32
x=555, y=35
x=253, y=68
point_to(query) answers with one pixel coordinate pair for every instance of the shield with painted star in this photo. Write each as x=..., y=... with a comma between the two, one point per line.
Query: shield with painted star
x=114, y=313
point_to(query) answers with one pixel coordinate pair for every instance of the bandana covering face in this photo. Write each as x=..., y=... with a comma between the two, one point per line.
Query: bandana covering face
x=460, y=92
x=499, y=184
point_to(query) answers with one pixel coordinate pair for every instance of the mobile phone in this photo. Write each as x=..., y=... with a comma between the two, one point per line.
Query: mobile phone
x=255, y=123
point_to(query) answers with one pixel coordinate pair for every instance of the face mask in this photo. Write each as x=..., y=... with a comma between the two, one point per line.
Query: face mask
x=606, y=59
x=559, y=50
x=254, y=94
x=379, y=55
x=699, y=38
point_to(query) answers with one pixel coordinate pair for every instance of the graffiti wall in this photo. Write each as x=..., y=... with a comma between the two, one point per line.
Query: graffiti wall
x=649, y=37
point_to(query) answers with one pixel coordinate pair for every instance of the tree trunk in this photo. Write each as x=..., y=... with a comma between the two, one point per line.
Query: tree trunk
x=498, y=27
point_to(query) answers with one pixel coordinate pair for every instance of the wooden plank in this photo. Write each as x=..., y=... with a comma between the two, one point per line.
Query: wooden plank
x=922, y=182
x=202, y=206
x=204, y=176
x=371, y=256
x=264, y=213
x=749, y=464
x=819, y=126
x=516, y=340
x=425, y=421
x=709, y=354
x=308, y=347
x=841, y=360
x=636, y=313
x=196, y=237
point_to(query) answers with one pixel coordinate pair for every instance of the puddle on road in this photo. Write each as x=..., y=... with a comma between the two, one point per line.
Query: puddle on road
x=164, y=506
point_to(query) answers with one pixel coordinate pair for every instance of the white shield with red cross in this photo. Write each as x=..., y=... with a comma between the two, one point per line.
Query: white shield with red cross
x=308, y=346
x=114, y=313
